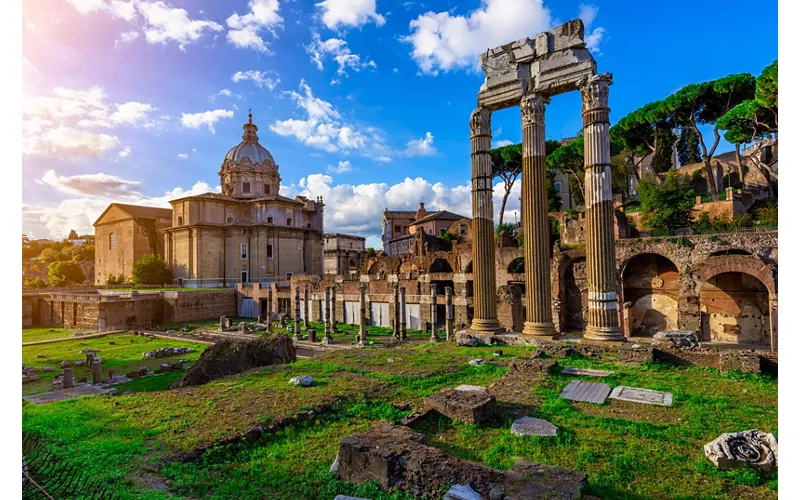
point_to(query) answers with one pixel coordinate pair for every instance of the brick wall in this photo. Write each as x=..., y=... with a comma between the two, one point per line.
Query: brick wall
x=200, y=304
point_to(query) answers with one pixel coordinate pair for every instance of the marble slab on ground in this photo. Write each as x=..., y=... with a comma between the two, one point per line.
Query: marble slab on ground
x=590, y=392
x=591, y=372
x=529, y=426
x=75, y=392
x=636, y=395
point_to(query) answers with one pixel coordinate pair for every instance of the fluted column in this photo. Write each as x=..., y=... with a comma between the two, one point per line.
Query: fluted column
x=362, y=320
x=333, y=308
x=269, y=309
x=306, y=307
x=601, y=275
x=536, y=226
x=483, y=272
x=403, y=313
x=396, y=310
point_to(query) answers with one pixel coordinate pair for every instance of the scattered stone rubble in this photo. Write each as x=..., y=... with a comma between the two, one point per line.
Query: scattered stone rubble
x=302, y=380
x=677, y=338
x=748, y=448
x=166, y=352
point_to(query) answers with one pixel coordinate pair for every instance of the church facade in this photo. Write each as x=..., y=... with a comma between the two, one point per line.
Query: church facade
x=247, y=233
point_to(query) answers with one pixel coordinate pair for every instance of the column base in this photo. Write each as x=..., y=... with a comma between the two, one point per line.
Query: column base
x=488, y=326
x=362, y=343
x=603, y=334
x=327, y=340
x=539, y=329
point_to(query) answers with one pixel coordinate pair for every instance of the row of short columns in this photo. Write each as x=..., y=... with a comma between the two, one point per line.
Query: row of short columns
x=603, y=317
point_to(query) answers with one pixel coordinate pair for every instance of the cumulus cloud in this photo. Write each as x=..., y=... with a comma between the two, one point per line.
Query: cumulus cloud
x=103, y=185
x=349, y=13
x=588, y=13
x=159, y=21
x=245, y=31
x=341, y=168
x=421, y=147
x=68, y=143
x=336, y=49
x=269, y=79
x=56, y=220
x=183, y=156
x=207, y=118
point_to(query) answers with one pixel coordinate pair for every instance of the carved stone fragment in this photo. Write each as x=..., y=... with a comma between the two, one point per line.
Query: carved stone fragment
x=737, y=449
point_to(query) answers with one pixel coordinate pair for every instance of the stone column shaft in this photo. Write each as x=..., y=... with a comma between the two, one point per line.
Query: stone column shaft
x=97, y=372
x=403, y=313
x=536, y=225
x=601, y=274
x=306, y=307
x=396, y=312
x=362, y=320
x=68, y=379
x=450, y=314
x=483, y=262
x=327, y=311
x=269, y=309
x=333, y=308
x=296, y=310
x=434, y=335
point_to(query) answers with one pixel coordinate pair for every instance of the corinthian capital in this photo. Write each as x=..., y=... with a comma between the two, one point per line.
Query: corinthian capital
x=594, y=91
x=532, y=108
x=480, y=122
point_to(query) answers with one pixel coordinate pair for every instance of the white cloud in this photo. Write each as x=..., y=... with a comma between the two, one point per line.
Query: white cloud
x=88, y=6
x=224, y=93
x=587, y=13
x=421, y=147
x=341, y=168
x=29, y=66
x=244, y=31
x=501, y=143
x=260, y=78
x=104, y=185
x=443, y=41
x=68, y=143
x=126, y=38
x=56, y=221
x=207, y=118
x=124, y=152
x=336, y=49
x=349, y=13
x=182, y=156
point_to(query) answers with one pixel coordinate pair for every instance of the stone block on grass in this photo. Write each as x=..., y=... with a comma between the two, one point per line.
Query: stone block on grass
x=470, y=407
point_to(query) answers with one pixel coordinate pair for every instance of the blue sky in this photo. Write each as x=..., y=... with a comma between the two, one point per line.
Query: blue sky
x=365, y=103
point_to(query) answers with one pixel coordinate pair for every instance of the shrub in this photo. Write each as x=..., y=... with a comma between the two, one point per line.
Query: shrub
x=151, y=270
x=65, y=273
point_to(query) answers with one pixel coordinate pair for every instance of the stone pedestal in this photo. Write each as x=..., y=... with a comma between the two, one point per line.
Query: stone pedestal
x=403, y=313
x=68, y=381
x=97, y=372
x=601, y=276
x=396, y=310
x=536, y=226
x=296, y=310
x=434, y=316
x=483, y=262
x=362, y=320
x=449, y=325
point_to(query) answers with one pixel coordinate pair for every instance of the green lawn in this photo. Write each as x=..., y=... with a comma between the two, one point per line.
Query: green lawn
x=629, y=450
x=46, y=333
x=210, y=324
x=120, y=352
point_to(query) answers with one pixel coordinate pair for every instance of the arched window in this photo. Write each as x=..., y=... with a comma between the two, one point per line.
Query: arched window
x=180, y=220
x=112, y=241
x=229, y=219
x=288, y=221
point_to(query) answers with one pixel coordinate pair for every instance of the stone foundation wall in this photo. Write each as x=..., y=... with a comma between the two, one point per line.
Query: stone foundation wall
x=200, y=304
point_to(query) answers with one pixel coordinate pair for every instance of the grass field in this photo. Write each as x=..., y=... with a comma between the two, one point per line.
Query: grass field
x=47, y=333
x=629, y=450
x=120, y=352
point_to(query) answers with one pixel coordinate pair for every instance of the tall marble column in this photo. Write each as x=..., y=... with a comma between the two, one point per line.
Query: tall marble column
x=434, y=318
x=296, y=310
x=450, y=314
x=483, y=272
x=536, y=226
x=396, y=310
x=306, y=307
x=403, y=335
x=362, y=320
x=601, y=275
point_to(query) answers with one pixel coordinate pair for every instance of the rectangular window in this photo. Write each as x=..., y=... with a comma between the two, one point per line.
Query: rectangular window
x=112, y=242
x=396, y=229
x=558, y=187
x=269, y=251
x=462, y=230
x=266, y=188
x=246, y=187
x=244, y=250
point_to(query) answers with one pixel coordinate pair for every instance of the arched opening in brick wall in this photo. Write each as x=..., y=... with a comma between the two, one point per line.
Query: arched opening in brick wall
x=734, y=308
x=650, y=286
x=574, y=297
x=517, y=266
x=440, y=266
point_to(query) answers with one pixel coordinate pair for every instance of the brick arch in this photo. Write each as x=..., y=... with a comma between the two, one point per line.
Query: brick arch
x=737, y=264
x=623, y=263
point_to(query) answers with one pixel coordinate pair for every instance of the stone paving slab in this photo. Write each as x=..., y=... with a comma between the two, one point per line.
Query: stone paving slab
x=646, y=396
x=529, y=426
x=59, y=395
x=591, y=372
x=590, y=392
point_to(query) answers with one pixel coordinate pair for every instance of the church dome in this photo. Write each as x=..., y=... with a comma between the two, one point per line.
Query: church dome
x=249, y=147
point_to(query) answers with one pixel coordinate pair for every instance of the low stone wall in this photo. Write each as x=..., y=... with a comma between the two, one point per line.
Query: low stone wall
x=199, y=304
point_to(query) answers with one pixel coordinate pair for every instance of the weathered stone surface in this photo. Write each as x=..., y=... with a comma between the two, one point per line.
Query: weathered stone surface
x=634, y=354
x=590, y=392
x=65, y=364
x=745, y=361
x=166, y=352
x=473, y=388
x=303, y=380
x=554, y=349
x=589, y=372
x=335, y=465
x=396, y=457
x=529, y=426
x=533, y=365
x=345, y=497
x=476, y=362
x=470, y=407
x=235, y=356
x=467, y=340
x=737, y=449
x=48, y=369
x=636, y=395
x=461, y=492
x=678, y=338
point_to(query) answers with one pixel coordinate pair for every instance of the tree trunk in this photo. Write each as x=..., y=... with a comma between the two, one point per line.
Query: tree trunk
x=739, y=162
x=503, y=205
x=707, y=156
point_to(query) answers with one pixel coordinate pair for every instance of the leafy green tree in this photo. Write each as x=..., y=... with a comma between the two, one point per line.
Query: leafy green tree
x=151, y=270
x=507, y=165
x=35, y=283
x=663, y=158
x=688, y=147
x=65, y=273
x=568, y=160
x=48, y=255
x=668, y=206
x=703, y=104
x=370, y=252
